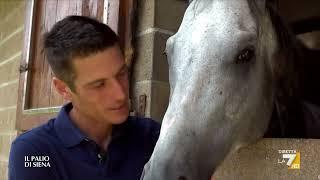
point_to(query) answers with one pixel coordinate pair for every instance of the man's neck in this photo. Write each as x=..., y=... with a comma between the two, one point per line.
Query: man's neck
x=100, y=133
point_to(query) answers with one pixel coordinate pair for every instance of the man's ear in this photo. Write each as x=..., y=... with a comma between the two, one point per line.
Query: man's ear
x=62, y=88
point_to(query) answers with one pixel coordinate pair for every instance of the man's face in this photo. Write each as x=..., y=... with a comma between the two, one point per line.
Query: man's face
x=102, y=87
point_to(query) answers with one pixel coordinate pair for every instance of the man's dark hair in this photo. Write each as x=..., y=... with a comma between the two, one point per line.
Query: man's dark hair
x=72, y=37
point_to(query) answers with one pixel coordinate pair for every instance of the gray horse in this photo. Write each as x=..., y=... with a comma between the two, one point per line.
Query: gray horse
x=232, y=68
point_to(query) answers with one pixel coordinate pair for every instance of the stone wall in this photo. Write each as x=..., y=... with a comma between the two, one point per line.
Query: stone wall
x=11, y=38
x=157, y=20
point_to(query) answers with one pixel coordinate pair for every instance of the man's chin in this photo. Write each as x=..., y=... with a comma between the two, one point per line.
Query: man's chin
x=119, y=118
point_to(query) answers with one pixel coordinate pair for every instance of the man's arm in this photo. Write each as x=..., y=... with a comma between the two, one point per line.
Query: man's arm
x=26, y=162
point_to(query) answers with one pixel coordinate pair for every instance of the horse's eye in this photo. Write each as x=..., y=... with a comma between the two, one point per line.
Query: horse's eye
x=245, y=55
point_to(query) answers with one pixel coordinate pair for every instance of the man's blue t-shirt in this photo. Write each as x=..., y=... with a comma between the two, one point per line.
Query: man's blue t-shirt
x=59, y=151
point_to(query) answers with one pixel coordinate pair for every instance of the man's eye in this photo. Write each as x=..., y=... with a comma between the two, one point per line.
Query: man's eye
x=98, y=85
x=123, y=73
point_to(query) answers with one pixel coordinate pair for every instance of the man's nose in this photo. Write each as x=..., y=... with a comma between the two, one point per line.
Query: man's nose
x=119, y=91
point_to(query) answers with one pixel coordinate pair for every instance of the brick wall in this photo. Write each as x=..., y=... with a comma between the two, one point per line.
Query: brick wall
x=11, y=37
x=157, y=20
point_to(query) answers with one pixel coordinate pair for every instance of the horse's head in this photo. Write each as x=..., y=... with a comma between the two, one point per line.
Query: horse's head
x=221, y=81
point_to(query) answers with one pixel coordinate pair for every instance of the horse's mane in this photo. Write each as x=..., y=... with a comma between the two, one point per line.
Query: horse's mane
x=290, y=80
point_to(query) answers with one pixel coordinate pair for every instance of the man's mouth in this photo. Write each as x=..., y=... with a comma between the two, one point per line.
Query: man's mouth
x=118, y=107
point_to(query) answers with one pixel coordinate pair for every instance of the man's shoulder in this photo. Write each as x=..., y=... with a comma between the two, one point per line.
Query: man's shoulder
x=26, y=151
x=144, y=133
x=143, y=128
x=36, y=138
x=143, y=124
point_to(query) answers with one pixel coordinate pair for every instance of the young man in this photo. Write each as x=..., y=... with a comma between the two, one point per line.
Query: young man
x=92, y=137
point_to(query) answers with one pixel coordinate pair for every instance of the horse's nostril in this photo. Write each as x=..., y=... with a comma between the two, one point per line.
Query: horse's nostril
x=182, y=178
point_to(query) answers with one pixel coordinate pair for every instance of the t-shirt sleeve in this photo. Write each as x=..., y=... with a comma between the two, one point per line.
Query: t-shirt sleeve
x=27, y=162
x=153, y=131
